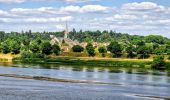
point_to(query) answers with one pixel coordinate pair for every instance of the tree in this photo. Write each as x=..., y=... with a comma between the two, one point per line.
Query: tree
x=34, y=47
x=77, y=48
x=46, y=48
x=143, y=52
x=131, y=51
x=102, y=50
x=5, y=47
x=115, y=48
x=90, y=49
x=155, y=39
x=15, y=47
x=56, y=49
x=26, y=42
x=158, y=62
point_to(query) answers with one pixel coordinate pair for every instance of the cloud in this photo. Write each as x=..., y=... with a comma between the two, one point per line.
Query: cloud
x=12, y=1
x=140, y=6
x=85, y=9
x=37, y=20
x=79, y=1
x=137, y=18
x=66, y=1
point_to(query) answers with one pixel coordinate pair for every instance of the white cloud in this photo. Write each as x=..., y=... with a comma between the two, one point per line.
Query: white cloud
x=143, y=17
x=37, y=20
x=12, y=1
x=140, y=6
x=85, y=9
x=125, y=17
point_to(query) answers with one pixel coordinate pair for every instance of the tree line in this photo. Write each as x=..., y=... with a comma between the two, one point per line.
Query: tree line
x=37, y=44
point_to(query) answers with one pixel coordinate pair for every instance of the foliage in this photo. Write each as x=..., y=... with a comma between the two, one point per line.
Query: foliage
x=158, y=62
x=131, y=51
x=46, y=48
x=115, y=49
x=90, y=50
x=77, y=48
x=5, y=47
x=34, y=47
x=143, y=52
x=155, y=39
x=102, y=50
x=56, y=49
x=27, y=54
x=15, y=47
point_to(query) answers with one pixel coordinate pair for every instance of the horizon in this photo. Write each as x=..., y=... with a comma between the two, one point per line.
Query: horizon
x=134, y=17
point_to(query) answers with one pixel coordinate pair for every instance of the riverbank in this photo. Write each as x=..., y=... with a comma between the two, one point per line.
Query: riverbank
x=89, y=61
x=107, y=62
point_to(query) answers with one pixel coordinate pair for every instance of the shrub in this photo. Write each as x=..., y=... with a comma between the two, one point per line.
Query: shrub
x=90, y=49
x=158, y=62
x=102, y=50
x=77, y=48
x=56, y=49
x=46, y=48
x=28, y=54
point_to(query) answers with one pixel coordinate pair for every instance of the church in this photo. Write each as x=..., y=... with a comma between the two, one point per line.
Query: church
x=64, y=42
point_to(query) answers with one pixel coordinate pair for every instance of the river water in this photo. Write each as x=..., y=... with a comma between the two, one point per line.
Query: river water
x=81, y=83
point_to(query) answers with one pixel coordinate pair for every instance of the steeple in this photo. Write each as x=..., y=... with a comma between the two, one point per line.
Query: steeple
x=66, y=32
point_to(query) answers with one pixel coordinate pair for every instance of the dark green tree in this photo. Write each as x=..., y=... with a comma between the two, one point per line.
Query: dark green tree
x=5, y=46
x=115, y=48
x=102, y=50
x=90, y=50
x=46, y=48
x=56, y=49
x=77, y=48
x=158, y=62
x=143, y=52
x=131, y=51
x=15, y=47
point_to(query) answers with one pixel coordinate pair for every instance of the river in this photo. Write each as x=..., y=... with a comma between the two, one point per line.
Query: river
x=64, y=82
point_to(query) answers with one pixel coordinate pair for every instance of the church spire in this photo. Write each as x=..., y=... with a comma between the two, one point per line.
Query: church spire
x=66, y=31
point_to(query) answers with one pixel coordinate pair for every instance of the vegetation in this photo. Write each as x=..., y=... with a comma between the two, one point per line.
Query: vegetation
x=37, y=45
x=90, y=49
x=102, y=50
x=115, y=48
x=77, y=48
x=56, y=49
x=159, y=62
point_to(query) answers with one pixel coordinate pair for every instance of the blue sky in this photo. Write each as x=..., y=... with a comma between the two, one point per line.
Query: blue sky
x=141, y=17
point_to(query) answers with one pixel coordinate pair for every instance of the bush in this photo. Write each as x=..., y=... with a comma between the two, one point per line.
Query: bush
x=115, y=48
x=28, y=54
x=46, y=48
x=158, y=62
x=77, y=48
x=5, y=47
x=90, y=50
x=102, y=50
x=56, y=49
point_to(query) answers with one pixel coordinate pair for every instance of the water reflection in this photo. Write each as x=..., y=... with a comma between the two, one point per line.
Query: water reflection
x=110, y=74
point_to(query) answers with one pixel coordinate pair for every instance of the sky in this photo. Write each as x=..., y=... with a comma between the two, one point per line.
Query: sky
x=140, y=17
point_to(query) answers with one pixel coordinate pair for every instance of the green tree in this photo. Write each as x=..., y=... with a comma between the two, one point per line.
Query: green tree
x=102, y=50
x=34, y=47
x=90, y=49
x=158, y=62
x=77, y=48
x=115, y=49
x=5, y=46
x=155, y=39
x=15, y=47
x=143, y=52
x=131, y=51
x=56, y=49
x=46, y=48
